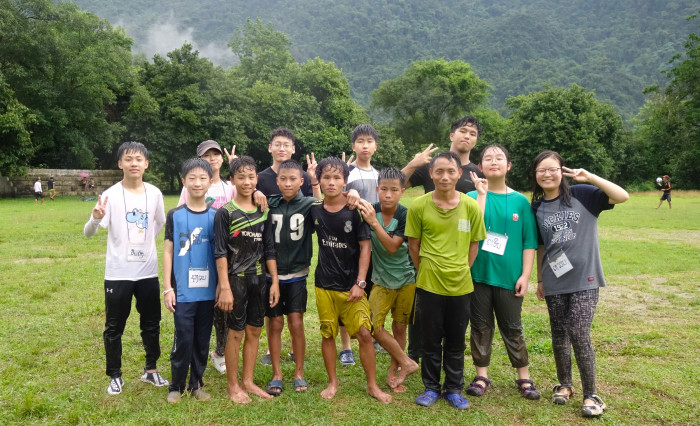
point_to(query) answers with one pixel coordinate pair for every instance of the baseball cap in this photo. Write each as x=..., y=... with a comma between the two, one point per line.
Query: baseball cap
x=206, y=146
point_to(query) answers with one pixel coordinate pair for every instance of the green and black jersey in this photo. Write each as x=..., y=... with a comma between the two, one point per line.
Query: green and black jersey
x=291, y=225
x=241, y=236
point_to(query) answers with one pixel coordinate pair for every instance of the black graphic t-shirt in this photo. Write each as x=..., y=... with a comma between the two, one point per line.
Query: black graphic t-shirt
x=339, y=235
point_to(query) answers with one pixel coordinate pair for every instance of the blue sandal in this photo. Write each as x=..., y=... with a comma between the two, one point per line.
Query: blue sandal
x=457, y=400
x=274, y=384
x=427, y=398
x=299, y=383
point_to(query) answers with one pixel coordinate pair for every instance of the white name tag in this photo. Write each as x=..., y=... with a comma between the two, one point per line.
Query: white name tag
x=135, y=253
x=198, y=278
x=495, y=243
x=560, y=265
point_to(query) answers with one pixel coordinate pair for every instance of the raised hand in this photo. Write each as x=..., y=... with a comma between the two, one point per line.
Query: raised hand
x=481, y=185
x=349, y=162
x=423, y=157
x=311, y=165
x=100, y=209
x=579, y=175
x=232, y=155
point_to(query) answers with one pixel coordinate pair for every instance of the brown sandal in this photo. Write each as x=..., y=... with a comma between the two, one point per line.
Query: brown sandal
x=561, y=397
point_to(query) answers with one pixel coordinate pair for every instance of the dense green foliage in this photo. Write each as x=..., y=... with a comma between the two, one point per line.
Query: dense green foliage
x=615, y=48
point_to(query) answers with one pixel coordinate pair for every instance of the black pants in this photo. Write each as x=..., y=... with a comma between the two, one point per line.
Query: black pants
x=443, y=322
x=193, y=323
x=118, y=295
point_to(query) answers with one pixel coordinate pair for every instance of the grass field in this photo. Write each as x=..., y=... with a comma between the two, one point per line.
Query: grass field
x=646, y=334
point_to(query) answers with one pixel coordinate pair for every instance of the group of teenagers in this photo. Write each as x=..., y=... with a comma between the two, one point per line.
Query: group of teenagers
x=239, y=252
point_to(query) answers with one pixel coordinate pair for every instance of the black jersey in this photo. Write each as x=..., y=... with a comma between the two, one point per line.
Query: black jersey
x=339, y=235
x=242, y=237
x=267, y=183
x=421, y=177
x=291, y=225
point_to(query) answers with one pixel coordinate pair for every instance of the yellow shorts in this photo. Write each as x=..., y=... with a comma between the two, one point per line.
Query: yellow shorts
x=333, y=305
x=399, y=301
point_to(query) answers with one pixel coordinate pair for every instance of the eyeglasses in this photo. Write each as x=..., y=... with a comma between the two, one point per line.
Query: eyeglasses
x=551, y=170
x=280, y=145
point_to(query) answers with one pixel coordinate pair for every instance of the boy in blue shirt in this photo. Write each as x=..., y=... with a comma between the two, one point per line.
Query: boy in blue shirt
x=189, y=280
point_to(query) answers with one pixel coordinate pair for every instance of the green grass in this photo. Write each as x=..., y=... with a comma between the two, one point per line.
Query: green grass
x=646, y=334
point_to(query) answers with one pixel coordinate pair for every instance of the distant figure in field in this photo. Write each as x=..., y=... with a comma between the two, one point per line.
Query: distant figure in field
x=52, y=191
x=38, y=191
x=665, y=186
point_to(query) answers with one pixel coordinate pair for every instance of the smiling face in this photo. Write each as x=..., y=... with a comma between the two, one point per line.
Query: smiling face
x=464, y=139
x=494, y=163
x=134, y=164
x=289, y=181
x=281, y=149
x=332, y=181
x=245, y=179
x=197, y=182
x=445, y=173
x=548, y=176
x=215, y=159
x=364, y=147
x=389, y=192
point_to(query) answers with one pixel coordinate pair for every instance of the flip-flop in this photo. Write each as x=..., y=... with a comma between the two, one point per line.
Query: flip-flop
x=274, y=384
x=456, y=400
x=427, y=398
x=299, y=383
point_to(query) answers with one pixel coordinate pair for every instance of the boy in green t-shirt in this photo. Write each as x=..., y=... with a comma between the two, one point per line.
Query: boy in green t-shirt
x=441, y=227
x=393, y=273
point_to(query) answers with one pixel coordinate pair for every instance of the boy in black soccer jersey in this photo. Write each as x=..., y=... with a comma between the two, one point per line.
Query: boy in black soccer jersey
x=242, y=242
x=343, y=258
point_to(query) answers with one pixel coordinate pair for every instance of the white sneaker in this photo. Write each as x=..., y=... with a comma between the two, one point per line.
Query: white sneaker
x=155, y=379
x=219, y=363
x=115, y=386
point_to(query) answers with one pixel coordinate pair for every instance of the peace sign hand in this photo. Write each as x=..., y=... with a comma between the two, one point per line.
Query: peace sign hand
x=423, y=158
x=579, y=175
x=311, y=165
x=349, y=162
x=232, y=155
x=481, y=185
x=100, y=209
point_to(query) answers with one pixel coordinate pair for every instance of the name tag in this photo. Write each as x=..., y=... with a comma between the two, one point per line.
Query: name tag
x=560, y=264
x=198, y=278
x=135, y=253
x=495, y=243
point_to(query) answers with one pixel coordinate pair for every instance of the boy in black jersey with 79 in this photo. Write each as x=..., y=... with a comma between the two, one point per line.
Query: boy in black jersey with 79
x=242, y=242
x=343, y=258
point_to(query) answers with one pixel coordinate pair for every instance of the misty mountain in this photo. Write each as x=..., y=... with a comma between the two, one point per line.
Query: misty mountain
x=615, y=47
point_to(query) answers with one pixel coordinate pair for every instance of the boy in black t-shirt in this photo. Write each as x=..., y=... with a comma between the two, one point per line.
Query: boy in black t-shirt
x=343, y=258
x=242, y=242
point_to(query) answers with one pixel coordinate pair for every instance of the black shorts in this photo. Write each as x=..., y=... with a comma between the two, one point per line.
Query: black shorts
x=250, y=298
x=38, y=195
x=293, y=298
x=666, y=196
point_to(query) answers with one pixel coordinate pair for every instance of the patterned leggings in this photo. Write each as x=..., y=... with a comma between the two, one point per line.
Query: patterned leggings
x=570, y=318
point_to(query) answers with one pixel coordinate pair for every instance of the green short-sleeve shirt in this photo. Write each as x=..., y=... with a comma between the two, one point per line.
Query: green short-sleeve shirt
x=506, y=214
x=445, y=238
x=392, y=271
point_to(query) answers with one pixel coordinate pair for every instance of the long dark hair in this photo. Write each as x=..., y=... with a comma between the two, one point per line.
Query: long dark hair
x=537, y=191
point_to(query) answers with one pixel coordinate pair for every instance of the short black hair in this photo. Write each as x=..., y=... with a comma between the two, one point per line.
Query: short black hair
x=495, y=146
x=332, y=163
x=242, y=162
x=131, y=146
x=283, y=131
x=463, y=121
x=290, y=165
x=364, y=129
x=449, y=155
x=391, y=173
x=196, y=163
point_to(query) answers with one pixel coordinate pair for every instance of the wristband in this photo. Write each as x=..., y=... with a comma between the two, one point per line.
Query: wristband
x=168, y=291
x=315, y=185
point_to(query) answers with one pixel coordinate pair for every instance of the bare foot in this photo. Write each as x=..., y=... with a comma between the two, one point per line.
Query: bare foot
x=405, y=371
x=329, y=392
x=399, y=389
x=255, y=390
x=238, y=395
x=379, y=394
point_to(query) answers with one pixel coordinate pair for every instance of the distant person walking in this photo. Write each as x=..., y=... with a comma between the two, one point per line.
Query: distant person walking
x=38, y=191
x=52, y=191
x=665, y=186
